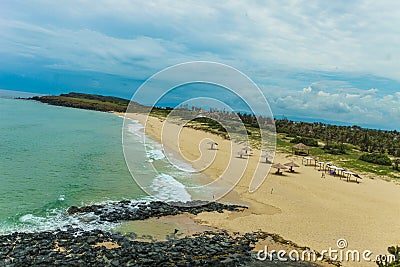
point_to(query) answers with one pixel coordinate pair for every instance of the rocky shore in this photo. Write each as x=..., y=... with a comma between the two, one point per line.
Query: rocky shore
x=128, y=210
x=98, y=248
x=76, y=247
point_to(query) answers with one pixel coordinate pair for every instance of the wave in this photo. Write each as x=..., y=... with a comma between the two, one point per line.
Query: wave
x=134, y=127
x=169, y=189
x=53, y=219
x=56, y=219
x=166, y=186
x=154, y=150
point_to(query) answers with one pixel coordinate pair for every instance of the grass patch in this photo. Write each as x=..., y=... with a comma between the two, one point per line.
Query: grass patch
x=350, y=160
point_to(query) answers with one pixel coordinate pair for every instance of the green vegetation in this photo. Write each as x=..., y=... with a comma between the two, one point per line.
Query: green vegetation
x=335, y=149
x=367, y=140
x=91, y=102
x=350, y=160
x=347, y=146
x=208, y=125
x=110, y=99
x=391, y=262
x=305, y=140
x=396, y=164
x=86, y=101
x=213, y=124
x=376, y=158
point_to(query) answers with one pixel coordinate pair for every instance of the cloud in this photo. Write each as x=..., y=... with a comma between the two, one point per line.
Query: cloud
x=84, y=49
x=326, y=36
x=337, y=51
x=323, y=94
x=365, y=107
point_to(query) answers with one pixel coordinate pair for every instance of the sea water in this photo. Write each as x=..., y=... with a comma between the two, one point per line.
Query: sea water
x=53, y=157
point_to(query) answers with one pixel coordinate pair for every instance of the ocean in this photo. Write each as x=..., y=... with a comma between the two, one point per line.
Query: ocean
x=55, y=157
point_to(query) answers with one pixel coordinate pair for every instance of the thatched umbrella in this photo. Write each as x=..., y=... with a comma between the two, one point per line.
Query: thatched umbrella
x=291, y=165
x=212, y=143
x=267, y=157
x=301, y=146
x=279, y=166
x=246, y=149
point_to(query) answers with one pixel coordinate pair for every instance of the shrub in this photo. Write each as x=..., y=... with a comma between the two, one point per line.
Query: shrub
x=305, y=140
x=376, y=158
x=396, y=164
x=335, y=149
x=292, y=135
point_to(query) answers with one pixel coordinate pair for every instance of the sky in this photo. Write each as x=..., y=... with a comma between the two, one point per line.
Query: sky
x=320, y=60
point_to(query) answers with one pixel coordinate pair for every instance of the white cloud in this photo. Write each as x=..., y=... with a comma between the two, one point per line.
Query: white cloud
x=323, y=94
x=265, y=39
x=366, y=107
x=360, y=36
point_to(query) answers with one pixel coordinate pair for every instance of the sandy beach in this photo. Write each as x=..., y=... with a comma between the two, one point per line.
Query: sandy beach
x=301, y=207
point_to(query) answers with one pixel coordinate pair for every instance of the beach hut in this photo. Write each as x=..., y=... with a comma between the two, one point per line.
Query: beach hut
x=279, y=166
x=300, y=149
x=348, y=175
x=340, y=171
x=212, y=144
x=291, y=165
x=323, y=166
x=309, y=160
x=332, y=169
x=335, y=170
x=357, y=176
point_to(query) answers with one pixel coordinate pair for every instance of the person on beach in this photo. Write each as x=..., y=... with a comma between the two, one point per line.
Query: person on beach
x=323, y=175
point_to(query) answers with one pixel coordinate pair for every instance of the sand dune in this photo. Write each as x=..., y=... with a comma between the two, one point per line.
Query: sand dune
x=301, y=207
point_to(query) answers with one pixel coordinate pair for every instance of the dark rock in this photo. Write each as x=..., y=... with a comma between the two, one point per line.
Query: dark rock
x=131, y=210
x=208, y=249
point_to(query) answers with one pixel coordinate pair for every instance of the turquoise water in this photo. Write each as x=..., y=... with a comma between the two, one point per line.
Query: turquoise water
x=54, y=157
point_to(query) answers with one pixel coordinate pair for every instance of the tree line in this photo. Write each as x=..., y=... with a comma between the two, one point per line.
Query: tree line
x=368, y=140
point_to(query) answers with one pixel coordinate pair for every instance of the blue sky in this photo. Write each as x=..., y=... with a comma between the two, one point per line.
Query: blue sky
x=331, y=60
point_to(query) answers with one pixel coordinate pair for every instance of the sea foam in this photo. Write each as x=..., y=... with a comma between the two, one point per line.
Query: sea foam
x=169, y=189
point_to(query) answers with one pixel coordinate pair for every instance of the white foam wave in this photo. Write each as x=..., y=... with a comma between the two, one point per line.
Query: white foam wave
x=155, y=154
x=181, y=165
x=26, y=218
x=54, y=220
x=169, y=189
x=134, y=129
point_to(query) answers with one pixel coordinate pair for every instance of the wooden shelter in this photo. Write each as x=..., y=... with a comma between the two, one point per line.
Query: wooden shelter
x=301, y=149
x=309, y=161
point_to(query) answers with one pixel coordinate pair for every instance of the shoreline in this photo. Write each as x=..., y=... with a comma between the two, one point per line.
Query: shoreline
x=199, y=246
x=300, y=206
